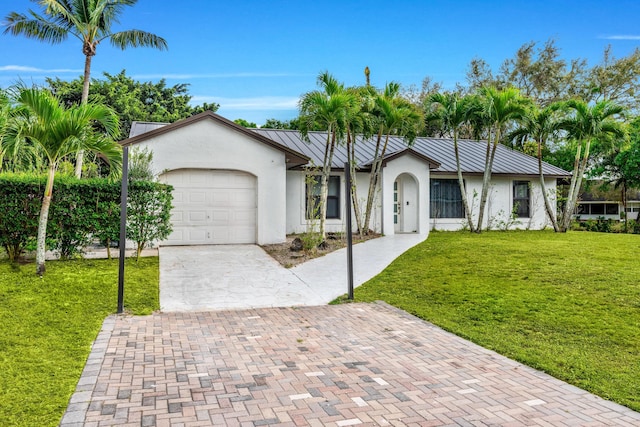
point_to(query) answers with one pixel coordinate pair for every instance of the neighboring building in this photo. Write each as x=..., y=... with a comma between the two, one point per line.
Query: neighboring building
x=238, y=185
x=593, y=207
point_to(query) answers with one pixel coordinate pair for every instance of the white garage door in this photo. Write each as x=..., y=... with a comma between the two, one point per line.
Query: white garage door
x=212, y=207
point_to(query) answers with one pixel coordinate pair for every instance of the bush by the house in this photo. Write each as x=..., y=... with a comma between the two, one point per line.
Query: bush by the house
x=82, y=210
x=148, y=213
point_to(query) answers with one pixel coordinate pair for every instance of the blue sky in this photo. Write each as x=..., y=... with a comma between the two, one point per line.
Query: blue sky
x=255, y=58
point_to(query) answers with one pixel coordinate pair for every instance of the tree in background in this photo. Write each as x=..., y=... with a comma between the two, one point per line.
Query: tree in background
x=88, y=20
x=133, y=100
x=245, y=123
x=42, y=120
x=616, y=80
x=586, y=125
x=293, y=124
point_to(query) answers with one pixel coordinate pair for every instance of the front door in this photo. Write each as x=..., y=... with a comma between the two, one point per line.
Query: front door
x=405, y=204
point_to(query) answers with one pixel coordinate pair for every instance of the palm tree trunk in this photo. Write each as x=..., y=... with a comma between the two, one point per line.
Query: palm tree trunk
x=624, y=206
x=486, y=178
x=550, y=213
x=42, y=224
x=373, y=182
x=324, y=182
x=84, y=99
x=351, y=159
x=568, y=208
x=576, y=190
x=463, y=189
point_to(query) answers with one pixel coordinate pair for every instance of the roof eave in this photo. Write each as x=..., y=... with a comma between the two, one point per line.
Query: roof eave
x=292, y=157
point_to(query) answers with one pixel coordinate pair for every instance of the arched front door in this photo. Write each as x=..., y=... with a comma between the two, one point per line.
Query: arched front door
x=405, y=204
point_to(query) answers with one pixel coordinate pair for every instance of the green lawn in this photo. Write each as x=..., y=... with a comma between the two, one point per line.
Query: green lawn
x=567, y=304
x=47, y=327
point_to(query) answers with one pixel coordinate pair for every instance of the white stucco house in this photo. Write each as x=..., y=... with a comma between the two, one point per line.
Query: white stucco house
x=238, y=185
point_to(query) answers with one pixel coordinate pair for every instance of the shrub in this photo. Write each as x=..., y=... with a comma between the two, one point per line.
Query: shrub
x=81, y=210
x=20, y=200
x=148, y=213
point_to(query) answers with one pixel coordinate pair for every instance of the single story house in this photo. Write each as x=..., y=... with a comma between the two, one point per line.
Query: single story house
x=238, y=185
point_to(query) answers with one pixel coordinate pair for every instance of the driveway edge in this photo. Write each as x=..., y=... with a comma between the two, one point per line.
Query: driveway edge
x=78, y=405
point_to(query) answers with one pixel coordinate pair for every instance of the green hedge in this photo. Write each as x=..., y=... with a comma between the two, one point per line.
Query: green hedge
x=81, y=210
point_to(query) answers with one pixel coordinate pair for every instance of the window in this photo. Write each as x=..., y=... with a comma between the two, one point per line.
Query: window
x=521, y=198
x=333, y=198
x=611, y=209
x=446, y=200
x=597, y=209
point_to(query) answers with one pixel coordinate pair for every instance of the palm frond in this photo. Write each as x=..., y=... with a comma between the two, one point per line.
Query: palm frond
x=136, y=38
x=36, y=27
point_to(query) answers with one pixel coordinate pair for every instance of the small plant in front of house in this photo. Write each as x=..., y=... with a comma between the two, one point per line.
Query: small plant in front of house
x=312, y=238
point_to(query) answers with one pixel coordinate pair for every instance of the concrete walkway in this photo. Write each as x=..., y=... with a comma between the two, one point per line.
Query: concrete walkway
x=345, y=365
x=202, y=278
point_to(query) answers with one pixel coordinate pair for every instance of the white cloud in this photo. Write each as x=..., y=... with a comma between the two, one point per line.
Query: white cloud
x=254, y=103
x=621, y=37
x=188, y=76
x=27, y=69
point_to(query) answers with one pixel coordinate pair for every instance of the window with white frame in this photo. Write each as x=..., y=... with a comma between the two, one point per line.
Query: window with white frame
x=445, y=199
x=522, y=198
x=313, y=192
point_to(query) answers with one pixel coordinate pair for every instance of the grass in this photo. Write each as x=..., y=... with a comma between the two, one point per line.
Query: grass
x=49, y=324
x=567, y=304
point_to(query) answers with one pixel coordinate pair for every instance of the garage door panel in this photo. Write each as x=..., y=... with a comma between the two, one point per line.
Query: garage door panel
x=212, y=207
x=197, y=197
x=220, y=217
x=197, y=217
x=177, y=217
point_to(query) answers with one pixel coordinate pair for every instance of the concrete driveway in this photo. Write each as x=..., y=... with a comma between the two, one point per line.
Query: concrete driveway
x=200, y=278
x=217, y=277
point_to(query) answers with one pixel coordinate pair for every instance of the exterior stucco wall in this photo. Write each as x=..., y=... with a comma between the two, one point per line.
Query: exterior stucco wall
x=208, y=145
x=296, y=203
x=500, y=204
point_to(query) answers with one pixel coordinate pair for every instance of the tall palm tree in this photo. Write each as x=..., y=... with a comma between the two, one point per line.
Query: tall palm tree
x=498, y=109
x=359, y=124
x=394, y=115
x=451, y=112
x=540, y=125
x=90, y=21
x=326, y=109
x=588, y=124
x=41, y=120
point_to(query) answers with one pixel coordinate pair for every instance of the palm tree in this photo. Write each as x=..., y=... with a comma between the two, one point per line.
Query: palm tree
x=588, y=124
x=41, y=120
x=88, y=20
x=497, y=109
x=359, y=124
x=451, y=112
x=394, y=115
x=326, y=109
x=540, y=125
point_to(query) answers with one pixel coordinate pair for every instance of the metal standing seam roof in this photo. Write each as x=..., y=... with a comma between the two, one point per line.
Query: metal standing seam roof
x=138, y=128
x=472, y=153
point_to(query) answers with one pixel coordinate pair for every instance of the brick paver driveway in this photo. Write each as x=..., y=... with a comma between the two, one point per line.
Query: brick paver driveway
x=341, y=365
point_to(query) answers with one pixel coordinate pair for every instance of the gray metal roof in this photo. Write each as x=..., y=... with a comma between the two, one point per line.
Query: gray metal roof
x=138, y=128
x=472, y=153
